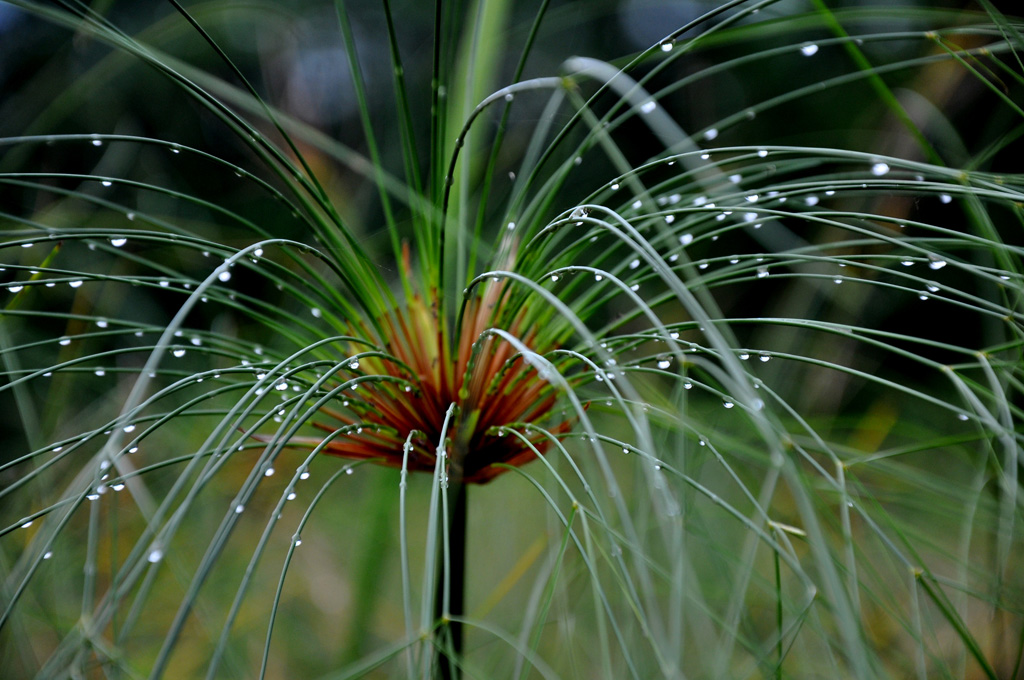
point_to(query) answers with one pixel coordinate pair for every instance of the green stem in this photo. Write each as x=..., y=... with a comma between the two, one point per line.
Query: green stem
x=455, y=576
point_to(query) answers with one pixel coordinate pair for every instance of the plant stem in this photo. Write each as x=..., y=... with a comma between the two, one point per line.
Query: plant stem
x=455, y=576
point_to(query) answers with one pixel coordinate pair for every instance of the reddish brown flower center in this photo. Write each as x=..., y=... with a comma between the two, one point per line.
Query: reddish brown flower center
x=409, y=385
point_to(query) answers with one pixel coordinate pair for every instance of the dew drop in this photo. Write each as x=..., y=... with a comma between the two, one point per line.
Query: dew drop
x=710, y=133
x=304, y=474
x=879, y=169
x=14, y=289
x=155, y=555
x=686, y=239
x=744, y=356
x=129, y=428
x=648, y=106
x=762, y=272
x=315, y=312
x=664, y=363
x=615, y=187
x=666, y=47
x=935, y=263
x=354, y=364
x=27, y=524
x=224, y=276
x=64, y=342
x=76, y=283
x=107, y=183
x=763, y=153
x=239, y=509
x=118, y=241
x=906, y=263
x=705, y=156
x=764, y=357
x=945, y=198
x=97, y=142
x=509, y=97
x=960, y=416
x=811, y=200
x=598, y=277
x=179, y=352
x=49, y=553
x=728, y=404
x=100, y=372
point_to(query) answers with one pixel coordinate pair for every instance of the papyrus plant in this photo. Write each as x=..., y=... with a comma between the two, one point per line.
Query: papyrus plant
x=714, y=309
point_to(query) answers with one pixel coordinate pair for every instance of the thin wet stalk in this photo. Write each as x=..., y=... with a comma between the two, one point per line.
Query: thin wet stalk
x=455, y=576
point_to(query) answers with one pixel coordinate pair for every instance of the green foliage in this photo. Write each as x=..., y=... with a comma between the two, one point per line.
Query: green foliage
x=722, y=301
